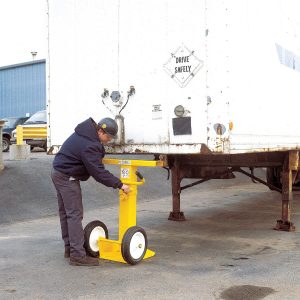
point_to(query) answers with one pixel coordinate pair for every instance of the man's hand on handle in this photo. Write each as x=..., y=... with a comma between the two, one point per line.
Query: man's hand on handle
x=125, y=188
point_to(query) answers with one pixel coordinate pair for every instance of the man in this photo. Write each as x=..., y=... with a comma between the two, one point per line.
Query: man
x=80, y=157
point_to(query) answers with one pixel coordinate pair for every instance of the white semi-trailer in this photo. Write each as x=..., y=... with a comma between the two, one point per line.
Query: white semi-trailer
x=212, y=86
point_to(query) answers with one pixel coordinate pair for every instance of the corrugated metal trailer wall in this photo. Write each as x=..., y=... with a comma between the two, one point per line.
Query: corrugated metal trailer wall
x=22, y=88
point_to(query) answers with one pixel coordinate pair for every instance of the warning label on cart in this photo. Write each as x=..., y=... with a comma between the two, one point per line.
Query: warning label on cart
x=125, y=173
x=183, y=65
x=124, y=162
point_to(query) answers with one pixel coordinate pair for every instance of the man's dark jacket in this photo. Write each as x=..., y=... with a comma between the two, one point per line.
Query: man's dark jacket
x=81, y=156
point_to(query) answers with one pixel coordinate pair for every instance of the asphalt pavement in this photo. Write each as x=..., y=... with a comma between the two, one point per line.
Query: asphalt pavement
x=226, y=249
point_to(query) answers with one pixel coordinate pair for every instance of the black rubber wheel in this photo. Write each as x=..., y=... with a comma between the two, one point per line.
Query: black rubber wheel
x=134, y=245
x=92, y=232
x=274, y=177
x=5, y=144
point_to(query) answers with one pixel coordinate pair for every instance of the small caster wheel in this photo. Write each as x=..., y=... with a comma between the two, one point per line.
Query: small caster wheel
x=134, y=245
x=92, y=232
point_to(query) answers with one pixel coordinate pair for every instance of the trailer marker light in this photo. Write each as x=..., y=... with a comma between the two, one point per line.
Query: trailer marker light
x=179, y=111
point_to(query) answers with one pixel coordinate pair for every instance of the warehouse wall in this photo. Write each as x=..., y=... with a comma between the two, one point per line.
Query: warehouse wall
x=1, y=154
x=22, y=88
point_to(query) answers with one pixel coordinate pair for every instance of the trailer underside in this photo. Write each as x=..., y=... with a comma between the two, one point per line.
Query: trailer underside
x=222, y=166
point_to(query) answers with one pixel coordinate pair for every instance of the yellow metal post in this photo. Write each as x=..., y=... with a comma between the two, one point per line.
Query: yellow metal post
x=19, y=135
x=127, y=214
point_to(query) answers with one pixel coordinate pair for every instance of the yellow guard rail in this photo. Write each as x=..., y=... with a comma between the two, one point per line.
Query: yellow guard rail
x=30, y=133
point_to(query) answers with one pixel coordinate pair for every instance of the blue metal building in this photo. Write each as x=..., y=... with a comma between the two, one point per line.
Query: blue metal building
x=22, y=89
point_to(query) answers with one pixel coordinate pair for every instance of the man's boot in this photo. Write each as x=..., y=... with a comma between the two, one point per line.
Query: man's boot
x=84, y=261
x=67, y=253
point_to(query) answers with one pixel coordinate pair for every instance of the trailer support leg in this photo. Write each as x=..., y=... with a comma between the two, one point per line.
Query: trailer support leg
x=176, y=214
x=290, y=164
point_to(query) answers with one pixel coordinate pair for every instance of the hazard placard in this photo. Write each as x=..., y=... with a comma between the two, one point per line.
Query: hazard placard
x=183, y=65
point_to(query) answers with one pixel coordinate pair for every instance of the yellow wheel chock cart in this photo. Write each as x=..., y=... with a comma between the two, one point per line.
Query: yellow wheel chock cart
x=131, y=246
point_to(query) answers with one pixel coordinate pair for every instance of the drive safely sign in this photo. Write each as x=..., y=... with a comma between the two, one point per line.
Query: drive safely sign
x=183, y=65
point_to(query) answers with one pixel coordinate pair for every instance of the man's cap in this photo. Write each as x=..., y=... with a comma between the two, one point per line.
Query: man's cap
x=109, y=126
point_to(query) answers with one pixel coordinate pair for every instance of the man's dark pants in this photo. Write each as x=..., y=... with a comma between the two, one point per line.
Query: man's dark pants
x=70, y=212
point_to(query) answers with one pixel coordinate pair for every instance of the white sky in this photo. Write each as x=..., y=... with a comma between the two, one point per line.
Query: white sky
x=23, y=28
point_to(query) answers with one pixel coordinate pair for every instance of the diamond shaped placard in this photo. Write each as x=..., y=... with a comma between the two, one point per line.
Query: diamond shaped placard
x=183, y=65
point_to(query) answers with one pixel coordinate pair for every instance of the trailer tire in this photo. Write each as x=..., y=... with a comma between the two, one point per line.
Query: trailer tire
x=134, y=245
x=92, y=232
